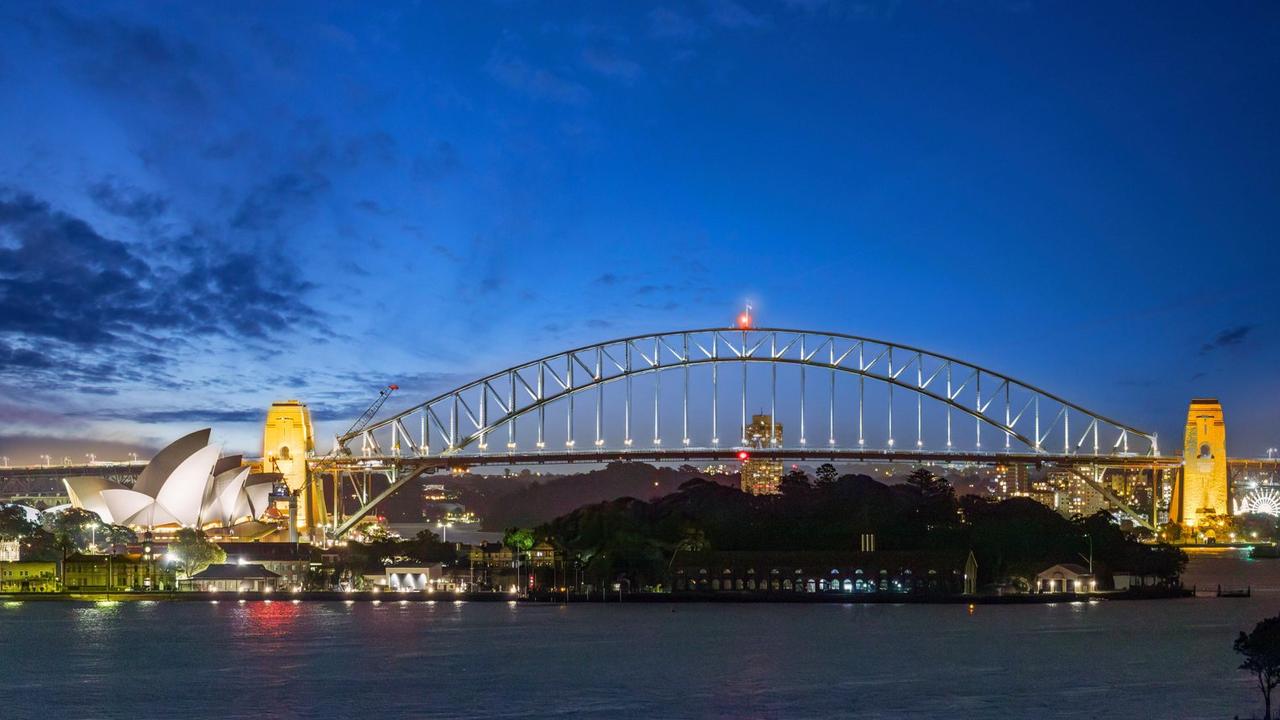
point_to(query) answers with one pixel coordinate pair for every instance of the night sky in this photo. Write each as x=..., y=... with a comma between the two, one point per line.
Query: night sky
x=208, y=206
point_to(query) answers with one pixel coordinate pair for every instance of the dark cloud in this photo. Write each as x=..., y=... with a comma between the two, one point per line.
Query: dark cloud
x=127, y=202
x=134, y=60
x=608, y=279
x=1228, y=338
x=267, y=203
x=200, y=416
x=81, y=309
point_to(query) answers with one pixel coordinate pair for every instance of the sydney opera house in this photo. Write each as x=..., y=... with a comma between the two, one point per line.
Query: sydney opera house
x=187, y=484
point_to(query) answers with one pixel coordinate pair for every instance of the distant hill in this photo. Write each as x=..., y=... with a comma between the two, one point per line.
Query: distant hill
x=533, y=503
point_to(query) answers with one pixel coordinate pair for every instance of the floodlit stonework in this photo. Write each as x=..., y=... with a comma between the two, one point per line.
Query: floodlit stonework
x=1203, y=490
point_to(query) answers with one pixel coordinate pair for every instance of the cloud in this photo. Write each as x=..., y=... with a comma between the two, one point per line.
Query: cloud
x=1229, y=337
x=131, y=60
x=608, y=279
x=205, y=416
x=733, y=15
x=607, y=63
x=271, y=200
x=119, y=199
x=82, y=310
x=537, y=83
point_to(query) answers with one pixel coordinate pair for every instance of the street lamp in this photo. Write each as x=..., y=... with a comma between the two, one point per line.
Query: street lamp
x=93, y=535
x=92, y=458
x=133, y=456
x=1090, y=558
x=1271, y=453
x=444, y=530
x=6, y=460
x=46, y=459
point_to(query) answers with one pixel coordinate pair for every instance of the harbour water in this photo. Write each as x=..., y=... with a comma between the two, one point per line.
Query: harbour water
x=1150, y=659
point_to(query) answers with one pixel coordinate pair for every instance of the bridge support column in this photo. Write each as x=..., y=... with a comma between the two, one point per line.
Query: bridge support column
x=1202, y=490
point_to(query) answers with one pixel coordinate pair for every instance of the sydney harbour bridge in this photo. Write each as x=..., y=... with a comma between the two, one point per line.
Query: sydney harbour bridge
x=689, y=395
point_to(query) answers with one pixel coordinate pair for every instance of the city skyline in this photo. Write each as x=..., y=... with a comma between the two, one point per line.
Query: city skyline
x=207, y=212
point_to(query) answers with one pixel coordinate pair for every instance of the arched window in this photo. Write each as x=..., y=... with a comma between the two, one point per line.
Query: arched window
x=1205, y=452
x=284, y=452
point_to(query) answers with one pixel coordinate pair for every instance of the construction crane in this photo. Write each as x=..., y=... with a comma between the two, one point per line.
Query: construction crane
x=337, y=449
x=369, y=412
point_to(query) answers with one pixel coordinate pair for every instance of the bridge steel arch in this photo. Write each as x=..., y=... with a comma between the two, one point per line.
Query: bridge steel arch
x=527, y=389
x=457, y=426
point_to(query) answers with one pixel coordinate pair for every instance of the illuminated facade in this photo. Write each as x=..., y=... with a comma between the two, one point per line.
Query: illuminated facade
x=1203, y=490
x=287, y=441
x=761, y=477
x=186, y=484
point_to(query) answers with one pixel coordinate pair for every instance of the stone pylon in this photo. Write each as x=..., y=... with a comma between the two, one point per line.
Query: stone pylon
x=1202, y=490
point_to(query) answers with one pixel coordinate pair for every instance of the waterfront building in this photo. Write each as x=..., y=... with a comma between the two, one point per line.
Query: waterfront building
x=30, y=576
x=115, y=573
x=887, y=573
x=1065, y=577
x=233, y=577
x=10, y=551
x=293, y=562
x=491, y=565
x=760, y=476
x=186, y=484
x=543, y=554
x=407, y=577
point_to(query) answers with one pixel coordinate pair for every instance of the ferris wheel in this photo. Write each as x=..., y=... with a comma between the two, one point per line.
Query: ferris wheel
x=1264, y=500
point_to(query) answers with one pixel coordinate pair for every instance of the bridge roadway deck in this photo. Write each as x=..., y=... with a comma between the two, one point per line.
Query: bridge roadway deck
x=569, y=457
x=130, y=469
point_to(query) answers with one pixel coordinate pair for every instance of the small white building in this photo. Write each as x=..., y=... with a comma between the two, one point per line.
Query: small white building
x=427, y=576
x=1066, y=578
x=10, y=550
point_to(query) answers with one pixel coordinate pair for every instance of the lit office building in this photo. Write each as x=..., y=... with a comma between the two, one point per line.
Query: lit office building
x=759, y=476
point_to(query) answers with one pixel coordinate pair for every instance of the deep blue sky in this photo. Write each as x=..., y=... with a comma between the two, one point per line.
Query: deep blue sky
x=208, y=206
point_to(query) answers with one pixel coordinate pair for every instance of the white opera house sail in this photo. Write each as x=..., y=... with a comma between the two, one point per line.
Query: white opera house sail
x=186, y=484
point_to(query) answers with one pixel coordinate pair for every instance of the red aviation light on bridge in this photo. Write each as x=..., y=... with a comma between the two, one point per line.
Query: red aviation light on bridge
x=743, y=455
x=744, y=320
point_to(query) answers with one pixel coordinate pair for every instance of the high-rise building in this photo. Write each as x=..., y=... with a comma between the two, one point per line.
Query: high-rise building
x=759, y=476
x=1203, y=490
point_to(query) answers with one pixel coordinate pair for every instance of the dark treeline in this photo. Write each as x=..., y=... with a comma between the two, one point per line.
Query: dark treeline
x=1012, y=540
x=528, y=504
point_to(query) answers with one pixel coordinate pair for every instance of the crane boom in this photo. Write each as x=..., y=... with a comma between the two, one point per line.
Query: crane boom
x=373, y=409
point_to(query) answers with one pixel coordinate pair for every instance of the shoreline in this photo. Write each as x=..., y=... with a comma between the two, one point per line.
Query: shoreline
x=788, y=598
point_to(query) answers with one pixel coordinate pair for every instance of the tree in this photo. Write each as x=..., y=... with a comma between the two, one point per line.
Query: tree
x=826, y=474
x=14, y=524
x=195, y=551
x=70, y=529
x=519, y=540
x=1261, y=651
x=794, y=483
x=929, y=485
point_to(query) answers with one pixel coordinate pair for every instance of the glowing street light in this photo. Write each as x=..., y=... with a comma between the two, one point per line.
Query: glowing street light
x=47, y=459
x=444, y=530
x=92, y=458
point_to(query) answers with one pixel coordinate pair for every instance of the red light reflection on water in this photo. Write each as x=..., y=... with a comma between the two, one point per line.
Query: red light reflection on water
x=271, y=619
